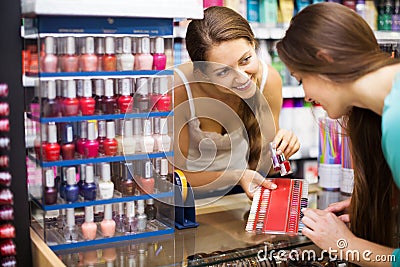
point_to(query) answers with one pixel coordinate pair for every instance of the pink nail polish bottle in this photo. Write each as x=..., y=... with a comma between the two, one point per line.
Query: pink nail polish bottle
x=91, y=147
x=52, y=148
x=101, y=136
x=110, y=144
x=50, y=106
x=80, y=143
x=86, y=102
x=100, y=53
x=143, y=58
x=142, y=98
x=108, y=224
x=164, y=101
x=70, y=102
x=89, y=227
x=110, y=60
x=49, y=60
x=7, y=231
x=126, y=60
x=70, y=61
x=98, y=98
x=159, y=57
x=108, y=101
x=125, y=101
x=147, y=181
x=88, y=61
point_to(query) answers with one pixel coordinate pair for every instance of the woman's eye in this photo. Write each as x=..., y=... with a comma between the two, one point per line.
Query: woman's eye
x=223, y=72
x=246, y=60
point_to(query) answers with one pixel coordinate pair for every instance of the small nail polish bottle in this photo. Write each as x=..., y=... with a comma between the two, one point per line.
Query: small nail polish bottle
x=141, y=216
x=67, y=144
x=138, y=135
x=101, y=135
x=108, y=224
x=50, y=106
x=50, y=191
x=70, y=231
x=110, y=143
x=70, y=61
x=52, y=148
x=143, y=58
x=125, y=101
x=150, y=210
x=5, y=179
x=274, y=157
x=70, y=102
x=4, y=109
x=285, y=165
x=109, y=60
x=164, y=101
x=155, y=95
x=147, y=180
x=7, y=231
x=142, y=98
x=89, y=227
x=49, y=60
x=6, y=213
x=126, y=59
x=100, y=53
x=164, y=140
x=108, y=102
x=82, y=178
x=86, y=102
x=128, y=141
x=106, y=187
x=41, y=142
x=119, y=218
x=159, y=57
x=91, y=147
x=89, y=187
x=88, y=61
x=128, y=185
x=148, y=140
x=130, y=219
x=98, y=98
x=72, y=189
x=80, y=143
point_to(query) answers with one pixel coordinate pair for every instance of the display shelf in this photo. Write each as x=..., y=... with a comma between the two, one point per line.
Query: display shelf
x=114, y=200
x=64, y=163
x=45, y=76
x=292, y=92
x=150, y=8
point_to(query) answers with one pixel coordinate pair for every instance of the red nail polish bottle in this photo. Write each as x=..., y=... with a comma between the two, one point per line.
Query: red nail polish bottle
x=125, y=101
x=101, y=135
x=70, y=102
x=80, y=143
x=68, y=146
x=91, y=147
x=110, y=144
x=108, y=101
x=164, y=101
x=52, y=148
x=86, y=102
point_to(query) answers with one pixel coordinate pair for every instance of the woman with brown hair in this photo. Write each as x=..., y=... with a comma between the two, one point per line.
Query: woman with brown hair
x=227, y=104
x=333, y=52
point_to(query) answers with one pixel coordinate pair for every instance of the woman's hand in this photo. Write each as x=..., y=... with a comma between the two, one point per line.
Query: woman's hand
x=286, y=142
x=341, y=209
x=251, y=180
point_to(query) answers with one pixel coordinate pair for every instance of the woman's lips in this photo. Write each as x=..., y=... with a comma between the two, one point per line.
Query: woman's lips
x=244, y=86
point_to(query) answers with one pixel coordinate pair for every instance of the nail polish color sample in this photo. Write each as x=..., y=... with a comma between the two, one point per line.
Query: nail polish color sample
x=98, y=98
x=108, y=104
x=8, y=248
x=89, y=228
x=6, y=213
x=110, y=143
x=143, y=58
x=165, y=100
x=125, y=101
x=101, y=135
x=80, y=143
x=91, y=147
x=67, y=142
x=87, y=102
x=106, y=187
x=70, y=231
x=48, y=62
x=141, y=216
x=50, y=106
x=108, y=224
x=89, y=187
x=159, y=57
x=150, y=210
x=7, y=231
x=147, y=181
x=50, y=191
x=142, y=97
x=70, y=102
x=52, y=148
x=128, y=184
x=128, y=143
x=126, y=60
x=130, y=219
x=119, y=218
x=70, y=61
x=72, y=189
x=5, y=179
x=109, y=59
x=148, y=140
x=88, y=61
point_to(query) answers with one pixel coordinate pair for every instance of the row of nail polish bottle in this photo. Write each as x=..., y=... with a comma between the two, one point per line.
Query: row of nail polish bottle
x=89, y=54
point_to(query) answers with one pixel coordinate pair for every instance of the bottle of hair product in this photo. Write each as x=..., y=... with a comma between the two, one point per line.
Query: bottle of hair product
x=269, y=12
x=371, y=14
x=286, y=8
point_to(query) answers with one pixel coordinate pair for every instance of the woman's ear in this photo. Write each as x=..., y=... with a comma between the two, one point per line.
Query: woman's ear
x=324, y=56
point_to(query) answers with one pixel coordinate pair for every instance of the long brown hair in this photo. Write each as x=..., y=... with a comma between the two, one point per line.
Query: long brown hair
x=221, y=24
x=349, y=41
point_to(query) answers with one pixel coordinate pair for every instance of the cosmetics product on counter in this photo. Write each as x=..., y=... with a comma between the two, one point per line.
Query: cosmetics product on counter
x=72, y=189
x=101, y=136
x=89, y=187
x=91, y=146
x=110, y=144
x=89, y=227
x=150, y=210
x=87, y=102
x=164, y=185
x=159, y=57
x=108, y=224
x=130, y=220
x=50, y=191
x=98, y=97
x=106, y=187
x=70, y=230
x=137, y=134
x=88, y=60
x=126, y=60
x=48, y=62
x=143, y=58
x=52, y=148
x=141, y=216
x=67, y=142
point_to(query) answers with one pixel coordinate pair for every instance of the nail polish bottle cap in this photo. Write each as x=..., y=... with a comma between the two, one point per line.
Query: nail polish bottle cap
x=156, y=124
x=145, y=45
x=156, y=85
x=102, y=128
x=110, y=130
x=91, y=131
x=108, y=212
x=163, y=85
x=43, y=133
x=71, y=176
x=150, y=201
x=105, y=172
x=128, y=128
x=126, y=87
x=52, y=136
x=127, y=171
x=68, y=134
x=130, y=209
x=164, y=167
x=89, y=217
x=43, y=89
x=51, y=90
x=84, y=129
x=109, y=90
x=99, y=87
x=140, y=204
x=146, y=127
x=87, y=88
x=70, y=217
x=89, y=45
x=71, y=89
x=142, y=86
x=59, y=87
x=82, y=173
x=148, y=170
x=49, y=178
x=137, y=127
x=159, y=45
x=70, y=45
x=110, y=45
x=49, y=45
x=100, y=46
x=127, y=45
x=120, y=208
x=89, y=174
x=164, y=126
